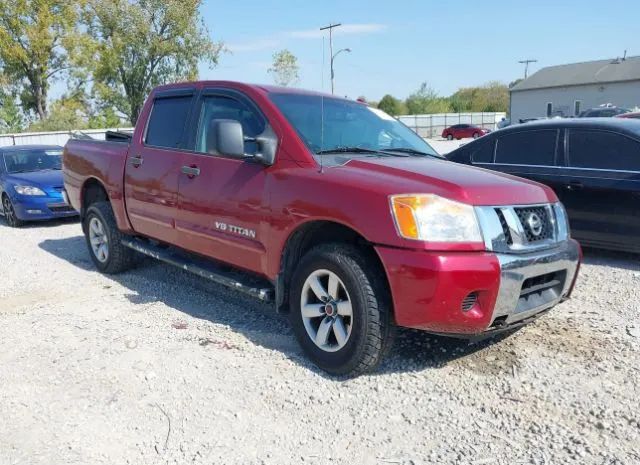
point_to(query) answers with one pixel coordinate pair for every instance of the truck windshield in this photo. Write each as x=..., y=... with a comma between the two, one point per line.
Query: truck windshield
x=330, y=125
x=20, y=161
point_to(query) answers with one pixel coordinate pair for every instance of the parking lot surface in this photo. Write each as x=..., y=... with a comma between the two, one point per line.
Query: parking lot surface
x=159, y=366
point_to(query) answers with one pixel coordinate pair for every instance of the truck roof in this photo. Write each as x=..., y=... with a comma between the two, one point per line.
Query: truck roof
x=264, y=88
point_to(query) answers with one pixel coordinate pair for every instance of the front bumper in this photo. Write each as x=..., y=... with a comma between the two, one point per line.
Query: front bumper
x=33, y=208
x=428, y=289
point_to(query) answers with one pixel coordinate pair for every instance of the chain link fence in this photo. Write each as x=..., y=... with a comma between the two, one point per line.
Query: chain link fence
x=431, y=126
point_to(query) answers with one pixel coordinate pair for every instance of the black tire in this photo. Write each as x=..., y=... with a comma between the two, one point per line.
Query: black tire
x=10, y=216
x=476, y=135
x=449, y=136
x=372, y=328
x=119, y=258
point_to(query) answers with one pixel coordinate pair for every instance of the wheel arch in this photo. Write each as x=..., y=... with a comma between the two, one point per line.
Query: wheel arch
x=313, y=233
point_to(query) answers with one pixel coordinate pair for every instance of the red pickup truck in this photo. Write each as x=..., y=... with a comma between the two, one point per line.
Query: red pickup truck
x=333, y=210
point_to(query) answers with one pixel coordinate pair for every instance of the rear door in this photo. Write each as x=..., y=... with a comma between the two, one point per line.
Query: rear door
x=153, y=166
x=601, y=188
x=222, y=201
x=531, y=154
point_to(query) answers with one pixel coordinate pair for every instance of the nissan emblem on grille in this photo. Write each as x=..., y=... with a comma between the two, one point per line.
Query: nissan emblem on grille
x=535, y=224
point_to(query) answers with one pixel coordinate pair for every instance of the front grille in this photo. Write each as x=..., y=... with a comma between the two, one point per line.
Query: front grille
x=505, y=227
x=535, y=222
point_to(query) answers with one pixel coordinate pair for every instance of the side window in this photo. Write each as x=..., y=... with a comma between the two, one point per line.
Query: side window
x=603, y=150
x=167, y=121
x=484, y=153
x=2, y=167
x=528, y=148
x=217, y=107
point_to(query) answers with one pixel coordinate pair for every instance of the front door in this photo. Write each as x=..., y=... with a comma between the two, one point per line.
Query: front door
x=602, y=186
x=153, y=167
x=222, y=201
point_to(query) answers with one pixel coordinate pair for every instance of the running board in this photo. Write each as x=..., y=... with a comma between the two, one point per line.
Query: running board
x=247, y=284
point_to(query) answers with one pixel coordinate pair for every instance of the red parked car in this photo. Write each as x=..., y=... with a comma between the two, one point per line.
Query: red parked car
x=334, y=211
x=462, y=131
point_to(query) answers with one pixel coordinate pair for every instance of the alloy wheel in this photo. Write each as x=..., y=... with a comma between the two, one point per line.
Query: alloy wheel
x=99, y=240
x=9, y=212
x=326, y=310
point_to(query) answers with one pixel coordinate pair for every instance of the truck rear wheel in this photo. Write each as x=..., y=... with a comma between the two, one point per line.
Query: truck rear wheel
x=104, y=240
x=340, y=310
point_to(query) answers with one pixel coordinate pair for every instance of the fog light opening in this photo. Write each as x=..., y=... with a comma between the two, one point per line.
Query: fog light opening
x=469, y=302
x=34, y=212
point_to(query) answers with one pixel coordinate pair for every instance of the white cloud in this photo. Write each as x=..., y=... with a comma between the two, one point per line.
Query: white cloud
x=343, y=30
x=273, y=42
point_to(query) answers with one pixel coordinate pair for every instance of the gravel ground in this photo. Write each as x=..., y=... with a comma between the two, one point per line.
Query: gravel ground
x=157, y=366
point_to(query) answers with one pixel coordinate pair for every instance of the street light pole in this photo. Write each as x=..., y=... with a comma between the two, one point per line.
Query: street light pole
x=330, y=27
x=348, y=50
x=526, y=66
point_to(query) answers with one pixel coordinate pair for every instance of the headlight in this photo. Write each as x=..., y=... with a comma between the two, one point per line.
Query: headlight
x=428, y=217
x=28, y=190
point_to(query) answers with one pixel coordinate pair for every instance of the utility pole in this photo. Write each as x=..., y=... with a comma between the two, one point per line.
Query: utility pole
x=526, y=66
x=330, y=27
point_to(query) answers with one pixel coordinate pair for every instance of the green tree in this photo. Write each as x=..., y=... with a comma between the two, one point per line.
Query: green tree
x=11, y=118
x=139, y=44
x=426, y=101
x=35, y=39
x=490, y=97
x=284, y=69
x=391, y=105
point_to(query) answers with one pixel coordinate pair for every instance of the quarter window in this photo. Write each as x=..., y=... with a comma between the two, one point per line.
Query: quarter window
x=167, y=121
x=217, y=107
x=528, y=148
x=603, y=150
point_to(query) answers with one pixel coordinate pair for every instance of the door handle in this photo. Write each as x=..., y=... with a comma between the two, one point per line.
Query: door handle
x=574, y=185
x=191, y=171
x=136, y=161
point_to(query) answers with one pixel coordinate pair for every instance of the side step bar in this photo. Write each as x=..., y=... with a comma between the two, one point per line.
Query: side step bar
x=247, y=284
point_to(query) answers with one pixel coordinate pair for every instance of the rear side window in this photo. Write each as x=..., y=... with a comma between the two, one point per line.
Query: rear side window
x=167, y=121
x=484, y=153
x=528, y=148
x=603, y=150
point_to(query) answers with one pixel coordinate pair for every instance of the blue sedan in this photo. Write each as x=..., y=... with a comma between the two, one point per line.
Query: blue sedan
x=31, y=186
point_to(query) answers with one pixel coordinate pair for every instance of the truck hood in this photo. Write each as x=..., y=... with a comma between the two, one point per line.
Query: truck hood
x=468, y=184
x=43, y=179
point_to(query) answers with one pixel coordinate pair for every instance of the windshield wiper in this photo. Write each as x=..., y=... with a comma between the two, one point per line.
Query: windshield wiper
x=412, y=151
x=357, y=150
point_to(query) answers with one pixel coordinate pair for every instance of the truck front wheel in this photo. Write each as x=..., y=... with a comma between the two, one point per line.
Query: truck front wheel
x=104, y=240
x=340, y=310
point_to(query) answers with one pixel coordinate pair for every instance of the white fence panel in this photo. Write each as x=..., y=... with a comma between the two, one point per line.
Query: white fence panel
x=52, y=138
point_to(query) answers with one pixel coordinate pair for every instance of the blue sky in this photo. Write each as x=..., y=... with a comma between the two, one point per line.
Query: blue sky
x=396, y=45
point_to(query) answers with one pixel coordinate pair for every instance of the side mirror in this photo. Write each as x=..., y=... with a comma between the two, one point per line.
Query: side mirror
x=226, y=137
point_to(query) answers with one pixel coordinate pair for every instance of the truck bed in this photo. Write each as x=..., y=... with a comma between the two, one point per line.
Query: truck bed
x=103, y=161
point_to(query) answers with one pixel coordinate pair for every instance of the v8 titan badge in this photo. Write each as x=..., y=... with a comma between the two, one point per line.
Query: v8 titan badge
x=236, y=230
